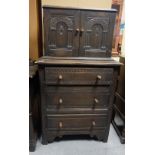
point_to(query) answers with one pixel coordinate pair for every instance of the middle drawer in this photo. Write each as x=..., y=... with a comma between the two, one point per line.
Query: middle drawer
x=76, y=96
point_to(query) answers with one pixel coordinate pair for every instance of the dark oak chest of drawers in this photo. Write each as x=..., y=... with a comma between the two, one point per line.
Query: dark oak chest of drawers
x=77, y=87
x=77, y=96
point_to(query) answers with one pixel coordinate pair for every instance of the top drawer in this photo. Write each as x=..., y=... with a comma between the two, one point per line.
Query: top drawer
x=78, y=76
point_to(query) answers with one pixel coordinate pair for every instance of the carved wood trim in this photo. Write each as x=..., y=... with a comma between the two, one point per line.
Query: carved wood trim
x=75, y=70
x=54, y=20
x=104, y=22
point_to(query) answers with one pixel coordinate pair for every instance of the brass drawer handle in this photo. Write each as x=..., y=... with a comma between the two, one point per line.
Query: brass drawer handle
x=60, y=101
x=96, y=100
x=93, y=123
x=60, y=125
x=60, y=77
x=99, y=77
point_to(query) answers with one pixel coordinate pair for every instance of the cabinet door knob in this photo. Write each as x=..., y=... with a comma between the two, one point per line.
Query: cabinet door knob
x=60, y=125
x=93, y=123
x=76, y=32
x=60, y=77
x=99, y=77
x=60, y=100
x=96, y=100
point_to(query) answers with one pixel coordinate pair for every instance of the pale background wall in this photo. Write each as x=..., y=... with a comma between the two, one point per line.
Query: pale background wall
x=79, y=3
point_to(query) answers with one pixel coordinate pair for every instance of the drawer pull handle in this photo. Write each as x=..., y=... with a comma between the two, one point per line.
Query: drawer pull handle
x=76, y=32
x=60, y=77
x=96, y=100
x=99, y=77
x=60, y=125
x=93, y=123
x=60, y=101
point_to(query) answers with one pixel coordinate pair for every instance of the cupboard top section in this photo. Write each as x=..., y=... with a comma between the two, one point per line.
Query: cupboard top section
x=73, y=8
x=78, y=33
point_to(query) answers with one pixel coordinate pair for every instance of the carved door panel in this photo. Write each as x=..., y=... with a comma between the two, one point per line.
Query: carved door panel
x=61, y=36
x=96, y=33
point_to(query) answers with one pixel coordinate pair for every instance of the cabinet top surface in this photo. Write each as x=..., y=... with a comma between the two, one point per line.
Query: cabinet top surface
x=79, y=8
x=47, y=60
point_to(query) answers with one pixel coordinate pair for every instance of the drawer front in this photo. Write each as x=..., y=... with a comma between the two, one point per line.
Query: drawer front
x=78, y=97
x=75, y=122
x=78, y=76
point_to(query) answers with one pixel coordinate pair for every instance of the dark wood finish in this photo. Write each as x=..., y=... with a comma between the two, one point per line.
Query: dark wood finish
x=34, y=120
x=73, y=32
x=35, y=29
x=77, y=74
x=119, y=103
x=78, y=97
x=78, y=100
x=99, y=134
x=61, y=32
x=77, y=61
x=76, y=122
x=96, y=33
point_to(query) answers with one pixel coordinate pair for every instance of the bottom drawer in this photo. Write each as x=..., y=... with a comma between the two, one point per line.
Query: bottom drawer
x=76, y=122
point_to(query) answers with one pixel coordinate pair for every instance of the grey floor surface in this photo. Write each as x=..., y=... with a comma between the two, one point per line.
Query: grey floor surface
x=82, y=147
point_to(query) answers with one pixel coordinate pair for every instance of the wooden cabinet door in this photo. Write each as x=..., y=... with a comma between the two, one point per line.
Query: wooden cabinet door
x=61, y=37
x=96, y=33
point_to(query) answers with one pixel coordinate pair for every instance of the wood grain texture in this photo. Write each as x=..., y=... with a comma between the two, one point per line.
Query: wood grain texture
x=77, y=97
x=76, y=122
x=79, y=104
x=77, y=74
x=76, y=61
x=97, y=27
x=35, y=29
x=78, y=32
x=60, y=32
